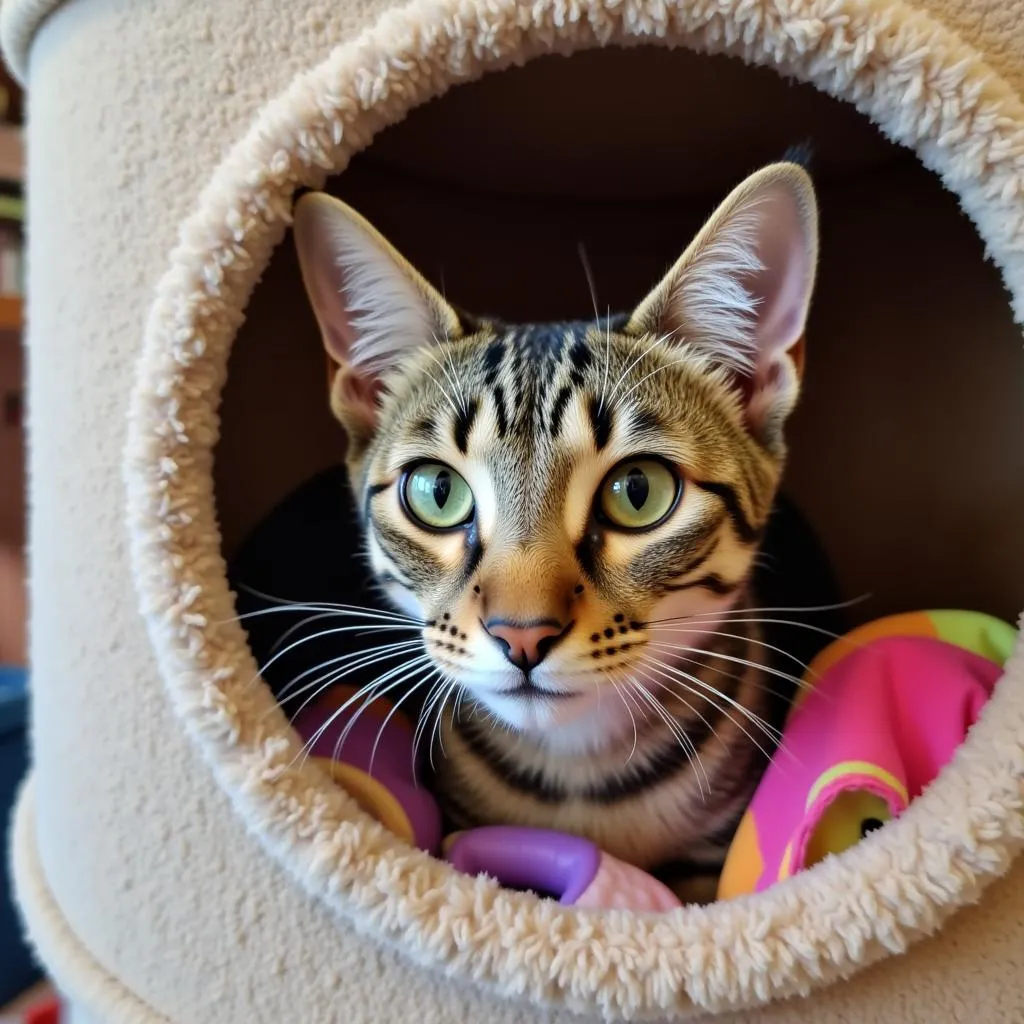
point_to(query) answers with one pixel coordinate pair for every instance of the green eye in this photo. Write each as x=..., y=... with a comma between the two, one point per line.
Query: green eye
x=638, y=493
x=437, y=497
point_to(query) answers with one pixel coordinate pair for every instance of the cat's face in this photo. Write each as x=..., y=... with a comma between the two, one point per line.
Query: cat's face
x=553, y=500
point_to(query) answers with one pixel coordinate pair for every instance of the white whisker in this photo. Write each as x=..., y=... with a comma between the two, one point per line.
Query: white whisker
x=437, y=725
x=747, y=639
x=677, y=675
x=679, y=734
x=749, y=611
x=315, y=636
x=629, y=711
x=405, y=671
x=350, y=660
x=317, y=605
x=433, y=693
x=658, y=341
x=412, y=670
x=307, y=747
x=727, y=657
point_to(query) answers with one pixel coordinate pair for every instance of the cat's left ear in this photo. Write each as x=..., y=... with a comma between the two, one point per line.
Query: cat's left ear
x=741, y=292
x=374, y=309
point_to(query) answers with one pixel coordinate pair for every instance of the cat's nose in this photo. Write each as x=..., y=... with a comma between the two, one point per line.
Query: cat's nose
x=526, y=644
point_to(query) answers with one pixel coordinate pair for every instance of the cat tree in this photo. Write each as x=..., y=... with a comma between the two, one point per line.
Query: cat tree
x=167, y=869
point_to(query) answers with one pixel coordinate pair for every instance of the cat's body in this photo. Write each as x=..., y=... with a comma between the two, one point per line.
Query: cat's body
x=572, y=512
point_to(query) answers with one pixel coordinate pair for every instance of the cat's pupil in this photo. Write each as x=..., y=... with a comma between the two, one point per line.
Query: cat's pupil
x=637, y=488
x=442, y=488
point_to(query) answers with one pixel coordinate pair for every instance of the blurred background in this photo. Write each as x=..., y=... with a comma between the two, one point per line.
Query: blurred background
x=22, y=994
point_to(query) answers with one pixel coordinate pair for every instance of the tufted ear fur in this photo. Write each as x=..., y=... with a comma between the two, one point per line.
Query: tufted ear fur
x=374, y=309
x=740, y=293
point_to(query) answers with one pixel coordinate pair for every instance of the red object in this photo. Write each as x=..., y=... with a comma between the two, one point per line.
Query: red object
x=47, y=1012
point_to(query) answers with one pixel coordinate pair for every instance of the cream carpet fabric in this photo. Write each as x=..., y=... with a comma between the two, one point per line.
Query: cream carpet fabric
x=159, y=889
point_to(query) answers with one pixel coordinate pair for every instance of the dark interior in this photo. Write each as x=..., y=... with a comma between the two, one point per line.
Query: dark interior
x=905, y=451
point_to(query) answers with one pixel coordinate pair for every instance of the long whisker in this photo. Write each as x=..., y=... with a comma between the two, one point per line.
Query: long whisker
x=679, y=734
x=749, y=611
x=380, y=732
x=607, y=357
x=748, y=639
x=437, y=725
x=348, y=663
x=677, y=676
x=404, y=672
x=588, y=271
x=334, y=715
x=647, y=376
x=763, y=687
x=310, y=605
x=694, y=754
x=370, y=614
x=413, y=669
x=370, y=629
x=452, y=381
x=433, y=692
x=629, y=711
x=325, y=632
x=788, y=622
x=460, y=390
x=444, y=393
x=726, y=657
x=658, y=341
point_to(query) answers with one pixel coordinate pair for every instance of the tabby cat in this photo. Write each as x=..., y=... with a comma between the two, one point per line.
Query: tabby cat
x=573, y=511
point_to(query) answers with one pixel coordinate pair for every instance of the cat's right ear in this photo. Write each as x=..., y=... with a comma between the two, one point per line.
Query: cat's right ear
x=373, y=308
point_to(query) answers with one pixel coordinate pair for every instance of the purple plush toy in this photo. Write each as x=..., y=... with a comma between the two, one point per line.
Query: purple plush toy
x=571, y=869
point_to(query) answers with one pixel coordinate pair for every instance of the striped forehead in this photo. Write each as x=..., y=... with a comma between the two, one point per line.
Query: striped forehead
x=526, y=407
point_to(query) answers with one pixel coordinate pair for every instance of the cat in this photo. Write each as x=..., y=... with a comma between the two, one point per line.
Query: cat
x=574, y=512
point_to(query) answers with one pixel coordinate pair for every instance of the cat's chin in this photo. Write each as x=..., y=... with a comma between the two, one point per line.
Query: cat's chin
x=582, y=723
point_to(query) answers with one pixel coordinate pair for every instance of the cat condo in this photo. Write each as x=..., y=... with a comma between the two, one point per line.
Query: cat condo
x=177, y=395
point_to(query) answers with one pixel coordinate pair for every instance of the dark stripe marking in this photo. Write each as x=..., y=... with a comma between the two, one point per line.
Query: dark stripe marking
x=493, y=356
x=464, y=424
x=645, y=419
x=588, y=548
x=693, y=566
x=475, y=549
x=500, y=413
x=417, y=564
x=744, y=530
x=580, y=357
x=712, y=582
x=670, y=760
x=601, y=421
x=558, y=409
x=505, y=768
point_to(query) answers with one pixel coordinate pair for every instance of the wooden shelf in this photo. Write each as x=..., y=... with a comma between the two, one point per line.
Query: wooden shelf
x=10, y=314
x=12, y=154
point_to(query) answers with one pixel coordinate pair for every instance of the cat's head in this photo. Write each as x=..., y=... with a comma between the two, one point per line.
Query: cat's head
x=547, y=498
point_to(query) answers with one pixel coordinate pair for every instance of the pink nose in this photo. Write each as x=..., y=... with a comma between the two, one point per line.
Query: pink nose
x=526, y=646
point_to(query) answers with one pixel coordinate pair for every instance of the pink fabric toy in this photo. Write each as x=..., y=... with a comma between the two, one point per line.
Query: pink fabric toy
x=879, y=717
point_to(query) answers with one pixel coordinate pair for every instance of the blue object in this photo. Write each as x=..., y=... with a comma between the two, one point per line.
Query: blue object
x=17, y=967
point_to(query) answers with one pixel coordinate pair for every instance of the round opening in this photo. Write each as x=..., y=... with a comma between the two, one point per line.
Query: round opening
x=908, y=417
